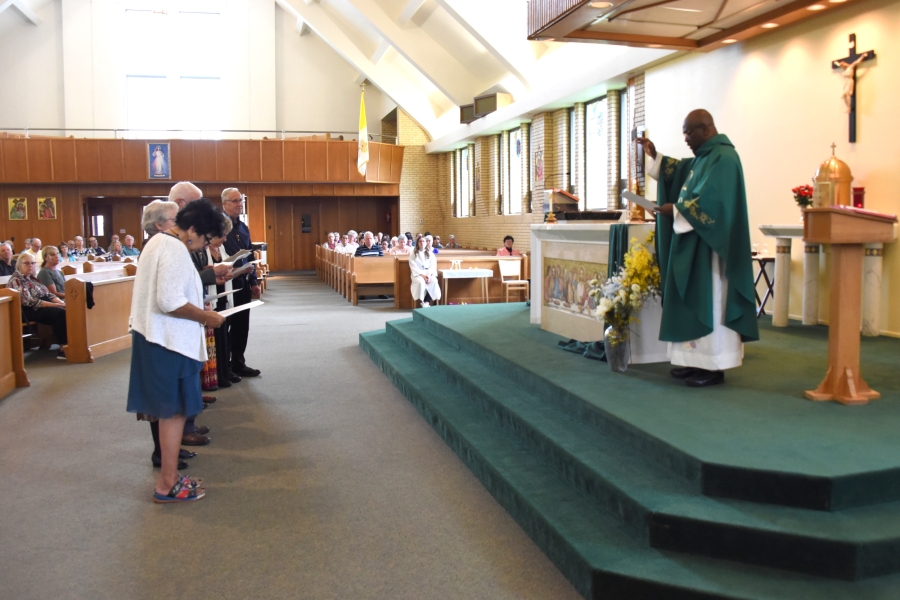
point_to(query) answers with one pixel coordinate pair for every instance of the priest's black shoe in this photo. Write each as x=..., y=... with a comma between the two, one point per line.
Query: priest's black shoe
x=683, y=372
x=705, y=378
x=186, y=454
x=234, y=378
x=224, y=383
x=245, y=371
x=157, y=462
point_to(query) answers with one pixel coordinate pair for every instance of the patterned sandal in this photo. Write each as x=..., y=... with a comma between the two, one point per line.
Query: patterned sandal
x=185, y=490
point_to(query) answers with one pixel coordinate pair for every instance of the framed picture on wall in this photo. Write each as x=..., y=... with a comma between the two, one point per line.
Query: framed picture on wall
x=158, y=165
x=18, y=209
x=46, y=209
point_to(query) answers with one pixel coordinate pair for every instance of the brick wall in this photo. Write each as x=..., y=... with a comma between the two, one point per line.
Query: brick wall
x=422, y=206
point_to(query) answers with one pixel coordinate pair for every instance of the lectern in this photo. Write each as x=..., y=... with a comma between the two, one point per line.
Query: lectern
x=846, y=229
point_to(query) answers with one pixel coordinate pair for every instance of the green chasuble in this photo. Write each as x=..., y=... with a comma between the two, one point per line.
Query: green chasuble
x=709, y=192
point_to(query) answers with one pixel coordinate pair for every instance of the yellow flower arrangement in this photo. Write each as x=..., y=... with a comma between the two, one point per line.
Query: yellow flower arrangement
x=621, y=296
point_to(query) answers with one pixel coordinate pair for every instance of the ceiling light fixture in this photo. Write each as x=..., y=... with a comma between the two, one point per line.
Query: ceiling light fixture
x=729, y=41
x=693, y=10
x=601, y=4
x=654, y=45
x=837, y=1
x=816, y=7
x=769, y=26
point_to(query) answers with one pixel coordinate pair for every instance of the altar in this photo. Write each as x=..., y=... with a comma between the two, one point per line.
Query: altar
x=564, y=259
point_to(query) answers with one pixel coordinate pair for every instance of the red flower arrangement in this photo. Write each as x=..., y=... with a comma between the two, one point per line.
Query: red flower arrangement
x=803, y=195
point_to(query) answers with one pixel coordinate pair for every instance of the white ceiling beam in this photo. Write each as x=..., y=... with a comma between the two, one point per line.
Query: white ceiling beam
x=380, y=51
x=409, y=11
x=23, y=8
x=383, y=76
x=512, y=51
x=301, y=27
x=438, y=65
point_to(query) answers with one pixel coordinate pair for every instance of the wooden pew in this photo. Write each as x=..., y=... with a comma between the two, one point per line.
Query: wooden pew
x=103, y=329
x=461, y=290
x=12, y=353
x=373, y=270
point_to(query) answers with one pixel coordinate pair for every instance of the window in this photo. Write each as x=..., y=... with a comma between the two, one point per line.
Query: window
x=514, y=202
x=464, y=189
x=596, y=154
x=498, y=170
x=173, y=65
x=97, y=226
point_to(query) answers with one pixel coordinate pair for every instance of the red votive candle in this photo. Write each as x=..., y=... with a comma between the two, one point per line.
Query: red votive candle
x=859, y=197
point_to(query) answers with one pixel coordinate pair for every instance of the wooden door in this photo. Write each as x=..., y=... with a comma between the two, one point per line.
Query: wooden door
x=283, y=256
x=306, y=223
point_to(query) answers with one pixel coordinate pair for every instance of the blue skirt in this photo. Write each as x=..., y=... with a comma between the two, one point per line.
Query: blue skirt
x=163, y=383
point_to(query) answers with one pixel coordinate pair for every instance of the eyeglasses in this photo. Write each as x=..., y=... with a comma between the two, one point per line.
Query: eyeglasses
x=238, y=201
x=207, y=238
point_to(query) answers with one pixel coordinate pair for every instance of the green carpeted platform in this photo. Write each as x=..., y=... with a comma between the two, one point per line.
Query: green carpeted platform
x=637, y=486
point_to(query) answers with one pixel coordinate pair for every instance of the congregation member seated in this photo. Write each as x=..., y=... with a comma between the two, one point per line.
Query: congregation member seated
x=353, y=241
x=116, y=249
x=128, y=248
x=402, y=247
x=437, y=243
x=330, y=244
x=6, y=266
x=38, y=304
x=507, y=249
x=385, y=246
x=112, y=242
x=368, y=247
x=50, y=275
x=64, y=255
x=77, y=249
x=423, y=273
x=95, y=248
x=451, y=243
x=344, y=246
x=34, y=249
x=27, y=244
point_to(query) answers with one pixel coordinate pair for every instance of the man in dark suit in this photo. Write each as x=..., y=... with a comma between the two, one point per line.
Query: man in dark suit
x=246, y=285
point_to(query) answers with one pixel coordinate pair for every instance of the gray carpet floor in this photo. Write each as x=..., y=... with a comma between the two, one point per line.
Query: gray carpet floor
x=322, y=482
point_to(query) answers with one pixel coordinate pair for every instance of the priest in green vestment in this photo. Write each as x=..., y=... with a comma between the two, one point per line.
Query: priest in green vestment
x=703, y=242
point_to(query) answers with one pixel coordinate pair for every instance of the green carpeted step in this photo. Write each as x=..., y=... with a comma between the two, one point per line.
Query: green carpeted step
x=756, y=438
x=657, y=505
x=595, y=552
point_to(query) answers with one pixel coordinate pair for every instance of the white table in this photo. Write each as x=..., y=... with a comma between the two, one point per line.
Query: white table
x=483, y=274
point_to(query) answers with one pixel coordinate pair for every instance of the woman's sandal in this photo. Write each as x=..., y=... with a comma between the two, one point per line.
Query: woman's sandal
x=186, y=490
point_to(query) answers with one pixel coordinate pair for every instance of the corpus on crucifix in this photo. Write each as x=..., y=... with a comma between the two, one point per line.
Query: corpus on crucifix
x=849, y=64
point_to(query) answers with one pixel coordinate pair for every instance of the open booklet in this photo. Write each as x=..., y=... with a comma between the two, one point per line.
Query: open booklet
x=238, y=256
x=244, y=269
x=641, y=201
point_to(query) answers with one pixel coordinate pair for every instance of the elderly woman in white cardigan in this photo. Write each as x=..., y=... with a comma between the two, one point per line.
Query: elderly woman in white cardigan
x=423, y=273
x=168, y=338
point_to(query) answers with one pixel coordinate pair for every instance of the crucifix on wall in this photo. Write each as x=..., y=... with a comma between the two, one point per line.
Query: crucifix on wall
x=848, y=65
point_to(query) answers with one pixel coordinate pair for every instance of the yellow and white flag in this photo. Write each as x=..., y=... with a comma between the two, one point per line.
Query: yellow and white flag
x=363, y=157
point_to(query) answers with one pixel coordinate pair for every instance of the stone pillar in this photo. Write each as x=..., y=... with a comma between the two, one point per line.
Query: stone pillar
x=782, y=281
x=871, y=292
x=811, y=284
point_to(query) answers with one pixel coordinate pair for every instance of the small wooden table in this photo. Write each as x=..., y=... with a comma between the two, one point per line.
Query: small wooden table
x=483, y=274
x=846, y=230
x=770, y=283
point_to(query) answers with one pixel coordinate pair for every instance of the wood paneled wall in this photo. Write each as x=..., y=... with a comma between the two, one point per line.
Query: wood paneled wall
x=68, y=160
x=70, y=199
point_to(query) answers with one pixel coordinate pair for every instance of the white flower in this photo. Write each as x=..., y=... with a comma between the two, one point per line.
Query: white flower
x=635, y=288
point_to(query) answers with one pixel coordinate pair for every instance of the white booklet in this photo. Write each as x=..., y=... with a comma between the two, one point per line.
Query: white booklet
x=230, y=311
x=238, y=256
x=641, y=201
x=217, y=296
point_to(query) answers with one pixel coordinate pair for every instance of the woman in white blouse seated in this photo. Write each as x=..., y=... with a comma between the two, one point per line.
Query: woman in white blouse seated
x=423, y=272
x=168, y=338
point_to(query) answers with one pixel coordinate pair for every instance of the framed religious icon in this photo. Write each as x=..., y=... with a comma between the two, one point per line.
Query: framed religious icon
x=158, y=163
x=46, y=209
x=18, y=209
